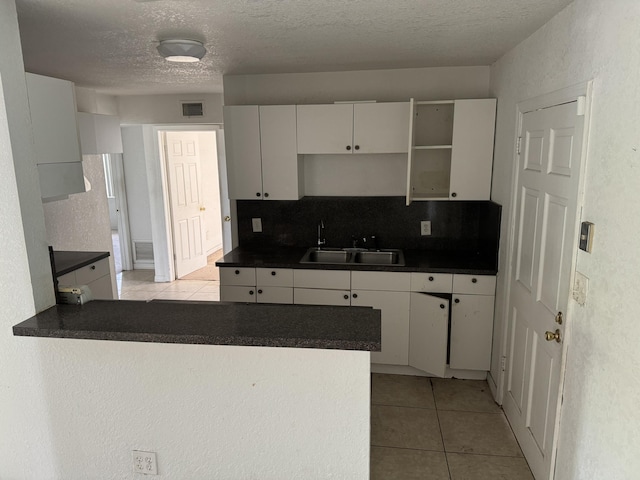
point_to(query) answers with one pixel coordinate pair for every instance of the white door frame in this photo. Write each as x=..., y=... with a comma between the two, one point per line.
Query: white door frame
x=117, y=175
x=559, y=97
x=159, y=198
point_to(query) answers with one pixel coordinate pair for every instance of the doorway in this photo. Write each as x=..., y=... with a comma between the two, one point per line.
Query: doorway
x=118, y=211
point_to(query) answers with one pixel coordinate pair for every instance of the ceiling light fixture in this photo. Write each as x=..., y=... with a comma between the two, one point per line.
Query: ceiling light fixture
x=181, y=50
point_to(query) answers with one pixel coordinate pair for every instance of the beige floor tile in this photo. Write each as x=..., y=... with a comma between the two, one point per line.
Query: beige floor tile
x=481, y=433
x=186, y=286
x=135, y=296
x=487, y=467
x=138, y=275
x=400, y=463
x=210, y=287
x=464, y=395
x=405, y=428
x=147, y=287
x=401, y=391
x=171, y=295
x=205, y=297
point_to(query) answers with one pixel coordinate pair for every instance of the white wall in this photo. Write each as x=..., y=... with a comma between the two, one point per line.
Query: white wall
x=210, y=191
x=90, y=101
x=590, y=39
x=81, y=222
x=166, y=109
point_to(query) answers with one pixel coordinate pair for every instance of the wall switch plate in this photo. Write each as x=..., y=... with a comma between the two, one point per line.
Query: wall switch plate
x=145, y=462
x=256, y=224
x=425, y=227
x=580, y=287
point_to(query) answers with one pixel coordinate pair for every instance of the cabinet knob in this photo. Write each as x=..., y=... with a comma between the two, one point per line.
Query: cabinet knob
x=357, y=147
x=431, y=279
x=258, y=194
x=474, y=280
x=355, y=295
x=454, y=194
x=442, y=305
x=237, y=272
x=273, y=273
x=260, y=291
x=348, y=147
x=266, y=195
x=250, y=292
x=346, y=297
x=457, y=300
x=93, y=267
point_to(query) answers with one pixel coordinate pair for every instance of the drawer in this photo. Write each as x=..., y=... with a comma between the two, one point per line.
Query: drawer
x=275, y=295
x=94, y=271
x=431, y=282
x=234, y=293
x=237, y=276
x=312, y=296
x=274, y=277
x=474, y=284
x=329, y=279
x=101, y=288
x=384, y=281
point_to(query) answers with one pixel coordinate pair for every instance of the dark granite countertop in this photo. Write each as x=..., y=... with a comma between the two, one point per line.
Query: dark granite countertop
x=210, y=323
x=66, y=261
x=415, y=261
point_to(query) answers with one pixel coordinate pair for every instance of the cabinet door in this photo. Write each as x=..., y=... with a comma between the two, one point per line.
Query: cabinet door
x=322, y=279
x=381, y=127
x=238, y=276
x=317, y=296
x=394, y=307
x=274, y=277
x=281, y=170
x=275, y=295
x=471, y=332
x=242, y=145
x=52, y=104
x=386, y=281
x=472, y=149
x=233, y=293
x=325, y=128
x=101, y=288
x=429, y=325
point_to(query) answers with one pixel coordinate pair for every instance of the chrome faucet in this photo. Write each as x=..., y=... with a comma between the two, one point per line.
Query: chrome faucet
x=321, y=239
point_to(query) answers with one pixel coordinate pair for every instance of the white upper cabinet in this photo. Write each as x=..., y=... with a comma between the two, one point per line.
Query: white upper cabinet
x=262, y=161
x=353, y=128
x=52, y=104
x=99, y=133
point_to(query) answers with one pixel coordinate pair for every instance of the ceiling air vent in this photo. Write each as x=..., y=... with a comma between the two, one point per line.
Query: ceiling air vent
x=192, y=109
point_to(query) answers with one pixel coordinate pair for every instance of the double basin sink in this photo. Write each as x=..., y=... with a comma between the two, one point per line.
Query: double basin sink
x=346, y=256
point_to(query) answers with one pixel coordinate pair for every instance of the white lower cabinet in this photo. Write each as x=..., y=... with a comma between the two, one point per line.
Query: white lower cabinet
x=471, y=332
x=237, y=293
x=428, y=330
x=320, y=296
x=97, y=276
x=261, y=285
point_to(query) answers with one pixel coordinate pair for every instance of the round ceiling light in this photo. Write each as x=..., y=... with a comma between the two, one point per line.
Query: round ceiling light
x=181, y=50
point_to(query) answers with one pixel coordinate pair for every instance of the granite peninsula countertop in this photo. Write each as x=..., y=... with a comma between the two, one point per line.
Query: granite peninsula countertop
x=210, y=323
x=68, y=261
x=464, y=262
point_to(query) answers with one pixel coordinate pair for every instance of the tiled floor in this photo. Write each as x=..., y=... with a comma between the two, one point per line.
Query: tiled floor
x=431, y=428
x=139, y=285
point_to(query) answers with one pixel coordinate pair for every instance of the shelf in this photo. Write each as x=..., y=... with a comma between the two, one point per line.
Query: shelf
x=432, y=147
x=434, y=196
x=435, y=102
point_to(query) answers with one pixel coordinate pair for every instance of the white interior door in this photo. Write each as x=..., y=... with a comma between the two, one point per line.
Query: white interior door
x=187, y=210
x=225, y=204
x=544, y=247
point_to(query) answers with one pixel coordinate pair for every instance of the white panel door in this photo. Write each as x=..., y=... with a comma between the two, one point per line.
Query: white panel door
x=187, y=212
x=472, y=149
x=280, y=167
x=325, y=128
x=428, y=331
x=242, y=144
x=545, y=244
x=394, y=307
x=381, y=127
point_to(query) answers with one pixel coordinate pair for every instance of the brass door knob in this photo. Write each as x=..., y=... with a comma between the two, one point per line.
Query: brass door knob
x=227, y=218
x=559, y=318
x=202, y=209
x=553, y=336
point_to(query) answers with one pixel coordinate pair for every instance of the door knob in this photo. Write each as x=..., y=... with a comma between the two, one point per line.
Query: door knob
x=553, y=336
x=559, y=318
x=227, y=218
x=202, y=209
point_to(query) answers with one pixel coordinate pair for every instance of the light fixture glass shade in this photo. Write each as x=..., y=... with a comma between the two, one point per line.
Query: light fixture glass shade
x=181, y=50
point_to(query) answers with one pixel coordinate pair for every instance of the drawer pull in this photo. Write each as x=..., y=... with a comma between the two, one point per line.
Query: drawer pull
x=474, y=280
x=237, y=272
x=442, y=305
x=348, y=147
x=93, y=267
x=250, y=292
x=346, y=297
x=273, y=273
x=457, y=300
x=355, y=295
x=260, y=292
x=431, y=279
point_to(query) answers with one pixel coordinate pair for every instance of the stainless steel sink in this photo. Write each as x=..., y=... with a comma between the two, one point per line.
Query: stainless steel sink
x=354, y=256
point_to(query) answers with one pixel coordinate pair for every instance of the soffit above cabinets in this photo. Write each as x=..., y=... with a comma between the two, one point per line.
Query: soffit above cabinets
x=111, y=45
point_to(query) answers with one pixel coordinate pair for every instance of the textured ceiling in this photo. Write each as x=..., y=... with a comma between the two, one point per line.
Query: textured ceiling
x=110, y=45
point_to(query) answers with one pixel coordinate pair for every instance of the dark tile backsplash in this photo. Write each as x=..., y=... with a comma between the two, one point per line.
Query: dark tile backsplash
x=455, y=225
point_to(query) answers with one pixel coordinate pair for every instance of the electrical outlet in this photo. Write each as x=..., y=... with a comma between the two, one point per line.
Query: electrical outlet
x=256, y=224
x=580, y=287
x=425, y=227
x=145, y=462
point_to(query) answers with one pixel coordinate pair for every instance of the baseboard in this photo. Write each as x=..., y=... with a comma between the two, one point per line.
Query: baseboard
x=407, y=370
x=144, y=266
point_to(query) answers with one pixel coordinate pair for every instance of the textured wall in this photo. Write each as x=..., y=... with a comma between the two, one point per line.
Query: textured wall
x=151, y=109
x=591, y=39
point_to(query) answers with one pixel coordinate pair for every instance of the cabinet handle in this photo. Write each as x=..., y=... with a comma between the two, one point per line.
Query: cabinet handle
x=355, y=295
x=348, y=147
x=457, y=300
x=93, y=267
x=454, y=194
x=442, y=305
x=266, y=195
x=273, y=273
x=357, y=147
x=250, y=292
x=431, y=279
x=260, y=291
x=258, y=194
x=346, y=297
x=474, y=280
x=237, y=272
